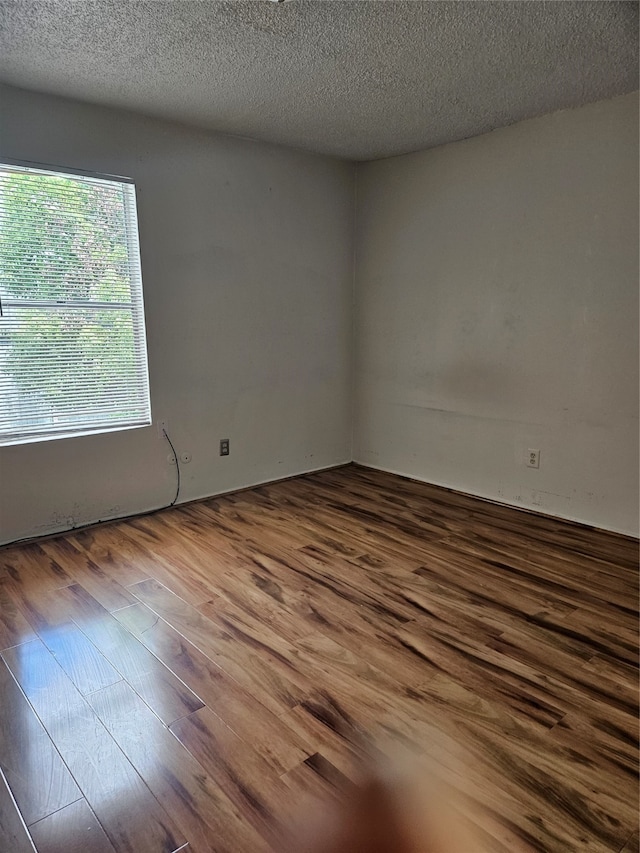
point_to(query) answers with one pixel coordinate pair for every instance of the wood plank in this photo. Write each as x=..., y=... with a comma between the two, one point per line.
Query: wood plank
x=313, y=787
x=262, y=670
x=107, y=547
x=14, y=627
x=245, y=777
x=14, y=835
x=633, y=844
x=30, y=566
x=167, y=564
x=205, y=815
x=330, y=663
x=487, y=672
x=165, y=694
x=130, y=815
x=83, y=663
x=512, y=590
x=260, y=598
x=602, y=742
x=73, y=829
x=30, y=580
x=90, y=575
x=533, y=649
x=248, y=718
x=35, y=772
x=592, y=810
x=517, y=559
x=331, y=730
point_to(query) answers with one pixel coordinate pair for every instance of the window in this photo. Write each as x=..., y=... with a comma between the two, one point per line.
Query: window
x=73, y=356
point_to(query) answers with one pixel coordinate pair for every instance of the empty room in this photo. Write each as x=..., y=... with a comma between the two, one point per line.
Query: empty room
x=319, y=442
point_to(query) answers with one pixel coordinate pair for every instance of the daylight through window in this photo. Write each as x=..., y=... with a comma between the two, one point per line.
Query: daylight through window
x=73, y=354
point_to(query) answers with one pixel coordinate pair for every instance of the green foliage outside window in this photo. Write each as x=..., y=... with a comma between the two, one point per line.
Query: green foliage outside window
x=63, y=241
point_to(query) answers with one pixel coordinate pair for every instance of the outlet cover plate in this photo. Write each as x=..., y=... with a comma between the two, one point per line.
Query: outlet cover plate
x=533, y=458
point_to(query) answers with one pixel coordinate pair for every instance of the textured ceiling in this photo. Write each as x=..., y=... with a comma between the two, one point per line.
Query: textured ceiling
x=359, y=80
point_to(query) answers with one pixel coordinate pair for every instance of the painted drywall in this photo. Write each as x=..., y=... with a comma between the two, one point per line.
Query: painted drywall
x=247, y=264
x=497, y=311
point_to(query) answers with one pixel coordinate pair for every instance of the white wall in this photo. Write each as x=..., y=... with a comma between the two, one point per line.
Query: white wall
x=247, y=265
x=497, y=310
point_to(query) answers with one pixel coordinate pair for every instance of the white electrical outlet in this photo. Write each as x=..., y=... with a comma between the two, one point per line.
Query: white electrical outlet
x=163, y=426
x=533, y=458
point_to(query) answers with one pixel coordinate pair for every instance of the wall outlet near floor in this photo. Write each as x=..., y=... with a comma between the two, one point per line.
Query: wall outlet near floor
x=185, y=457
x=533, y=458
x=171, y=459
x=224, y=447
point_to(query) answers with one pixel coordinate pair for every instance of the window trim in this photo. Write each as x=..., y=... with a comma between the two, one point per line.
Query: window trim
x=136, y=306
x=65, y=170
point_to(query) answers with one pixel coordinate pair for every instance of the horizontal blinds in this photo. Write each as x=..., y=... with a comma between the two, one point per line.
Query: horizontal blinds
x=72, y=338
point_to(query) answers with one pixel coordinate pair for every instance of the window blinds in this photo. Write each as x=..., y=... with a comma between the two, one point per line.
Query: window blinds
x=73, y=354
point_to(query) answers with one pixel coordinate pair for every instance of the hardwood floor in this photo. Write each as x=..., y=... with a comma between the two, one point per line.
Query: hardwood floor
x=182, y=681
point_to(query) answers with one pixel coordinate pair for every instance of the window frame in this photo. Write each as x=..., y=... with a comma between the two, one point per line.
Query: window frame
x=135, y=306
